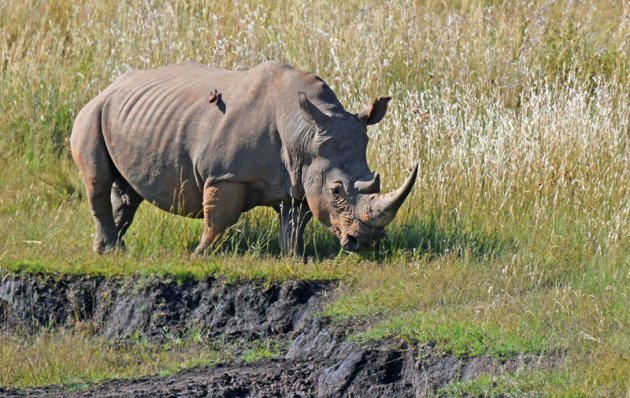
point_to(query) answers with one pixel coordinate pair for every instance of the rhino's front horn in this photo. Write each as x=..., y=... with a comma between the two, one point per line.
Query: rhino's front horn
x=371, y=185
x=378, y=210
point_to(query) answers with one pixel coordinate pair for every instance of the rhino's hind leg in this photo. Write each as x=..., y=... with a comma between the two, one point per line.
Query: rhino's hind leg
x=125, y=201
x=105, y=236
x=223, y=203
x=98, y=177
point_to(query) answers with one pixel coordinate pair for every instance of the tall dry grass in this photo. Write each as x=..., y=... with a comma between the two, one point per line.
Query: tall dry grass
x=518, y=114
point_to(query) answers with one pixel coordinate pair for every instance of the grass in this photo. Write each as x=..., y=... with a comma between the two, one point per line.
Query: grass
x=261, y=351
x=515, y=238
x=78, y=359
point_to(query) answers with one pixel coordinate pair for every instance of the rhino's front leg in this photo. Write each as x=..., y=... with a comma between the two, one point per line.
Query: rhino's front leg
x=222, y=205
x=293, y=219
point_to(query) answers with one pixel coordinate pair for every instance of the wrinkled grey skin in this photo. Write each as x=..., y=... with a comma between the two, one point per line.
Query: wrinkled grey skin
x=205, y=142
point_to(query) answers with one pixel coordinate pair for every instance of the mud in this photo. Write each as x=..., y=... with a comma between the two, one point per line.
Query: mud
x=320, y=361
x=157, y=308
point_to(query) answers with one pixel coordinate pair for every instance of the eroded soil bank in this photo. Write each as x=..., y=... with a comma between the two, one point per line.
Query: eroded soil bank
x=319, y=361
x=157, y=308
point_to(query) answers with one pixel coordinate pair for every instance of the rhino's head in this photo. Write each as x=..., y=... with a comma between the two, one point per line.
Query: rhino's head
x=339, y=187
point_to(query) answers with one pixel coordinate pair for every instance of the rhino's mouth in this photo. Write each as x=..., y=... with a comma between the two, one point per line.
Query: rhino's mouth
x=350, y=243
x=360, y=239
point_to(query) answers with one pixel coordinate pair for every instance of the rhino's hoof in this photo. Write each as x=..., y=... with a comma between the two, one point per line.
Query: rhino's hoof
x=103, y=248
x=199, y=252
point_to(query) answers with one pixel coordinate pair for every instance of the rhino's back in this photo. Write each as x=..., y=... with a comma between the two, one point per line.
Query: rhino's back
x=165, y=137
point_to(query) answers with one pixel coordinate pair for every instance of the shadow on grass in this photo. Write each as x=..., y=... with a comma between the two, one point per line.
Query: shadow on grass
x=426, y=238
x=411, y=240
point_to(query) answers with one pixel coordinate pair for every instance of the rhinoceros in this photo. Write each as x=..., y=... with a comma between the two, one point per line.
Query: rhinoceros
x=210, y=143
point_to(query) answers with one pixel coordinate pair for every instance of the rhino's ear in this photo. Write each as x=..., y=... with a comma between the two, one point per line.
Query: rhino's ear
x=310, y=112
x=375, y=112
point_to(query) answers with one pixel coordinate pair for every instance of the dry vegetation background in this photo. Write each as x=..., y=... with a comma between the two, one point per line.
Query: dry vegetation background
x=518, y=113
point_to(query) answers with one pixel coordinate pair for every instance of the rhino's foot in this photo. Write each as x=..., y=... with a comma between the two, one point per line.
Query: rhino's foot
x=102, y=246
x=201, y=250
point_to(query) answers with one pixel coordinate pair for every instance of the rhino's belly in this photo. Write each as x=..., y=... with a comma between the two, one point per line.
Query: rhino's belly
x=173, y=196
x=164, y=182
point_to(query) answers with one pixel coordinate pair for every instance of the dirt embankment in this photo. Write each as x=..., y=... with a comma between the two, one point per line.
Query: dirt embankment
x=157, y=308
x=320, y=362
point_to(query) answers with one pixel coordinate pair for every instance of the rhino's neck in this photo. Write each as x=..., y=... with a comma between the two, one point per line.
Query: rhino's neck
x=296, y=134
x=295, y=155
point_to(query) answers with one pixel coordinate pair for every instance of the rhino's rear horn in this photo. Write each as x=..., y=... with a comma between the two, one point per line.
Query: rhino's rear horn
x=380, y=209
x=371, y=185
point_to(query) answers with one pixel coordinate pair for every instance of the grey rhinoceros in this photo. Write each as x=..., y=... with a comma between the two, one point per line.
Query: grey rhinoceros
x=205, y=142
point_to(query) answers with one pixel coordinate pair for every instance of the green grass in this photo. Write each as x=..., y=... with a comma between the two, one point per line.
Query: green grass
x=516, y=237
x=461, y=338
x=262, y=350
x=76, y=359
x=606, y=376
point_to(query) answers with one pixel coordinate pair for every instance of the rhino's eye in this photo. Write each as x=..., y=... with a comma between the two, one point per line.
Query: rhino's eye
x=336, y=188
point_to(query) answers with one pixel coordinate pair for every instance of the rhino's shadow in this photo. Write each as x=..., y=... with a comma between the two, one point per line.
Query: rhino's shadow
x=420, y=239
x=413, y=239
x=416, y=240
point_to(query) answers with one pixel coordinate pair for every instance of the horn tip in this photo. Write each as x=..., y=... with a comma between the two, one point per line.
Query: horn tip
x=414, y=172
